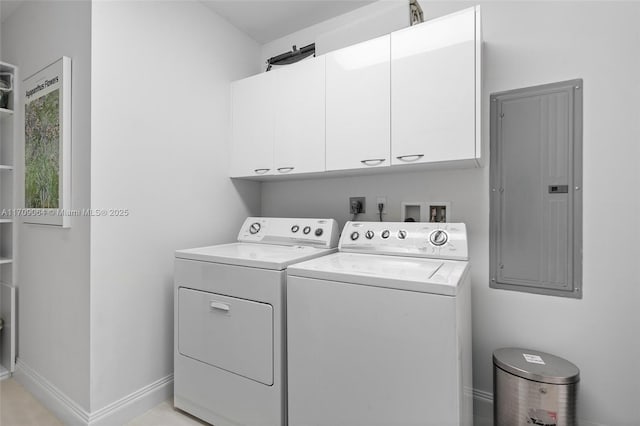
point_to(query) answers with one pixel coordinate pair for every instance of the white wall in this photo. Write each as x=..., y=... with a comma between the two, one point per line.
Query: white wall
x=53, y=264
x=160, y=126
x=364, y=23
x=529, y=43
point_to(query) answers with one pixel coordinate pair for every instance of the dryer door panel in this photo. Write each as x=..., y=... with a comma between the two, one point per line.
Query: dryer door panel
x=233, y=334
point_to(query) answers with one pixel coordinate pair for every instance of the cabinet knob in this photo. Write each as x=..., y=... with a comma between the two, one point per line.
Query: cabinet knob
x=410, y=158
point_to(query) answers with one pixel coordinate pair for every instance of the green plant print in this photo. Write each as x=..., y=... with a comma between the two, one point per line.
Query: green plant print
x=42, y=152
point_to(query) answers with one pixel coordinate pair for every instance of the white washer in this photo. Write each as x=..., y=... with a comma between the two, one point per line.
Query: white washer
x=229, y=357
x=380, y=333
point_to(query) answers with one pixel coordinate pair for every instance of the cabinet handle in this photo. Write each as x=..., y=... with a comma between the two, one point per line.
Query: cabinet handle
x=410, y=158
x=219, y=306
x=261, y=171
x=285, y=169
x=373, y=161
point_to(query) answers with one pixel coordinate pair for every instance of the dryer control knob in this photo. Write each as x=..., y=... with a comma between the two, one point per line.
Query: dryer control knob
x=319, y=232
x=295, y=228
x=438, y=238
x=369, y=235
x=354, y=235
x=254, y=228
x=385, y=234
x=402, y=234
x=306, y=230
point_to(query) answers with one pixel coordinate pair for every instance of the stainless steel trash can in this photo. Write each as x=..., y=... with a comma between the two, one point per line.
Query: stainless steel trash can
x=533, y=388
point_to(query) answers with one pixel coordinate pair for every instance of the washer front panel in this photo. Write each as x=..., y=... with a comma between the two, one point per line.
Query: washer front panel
x=361, y=355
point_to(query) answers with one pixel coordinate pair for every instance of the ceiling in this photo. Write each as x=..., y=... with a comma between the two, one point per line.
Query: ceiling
x=268, y=20
x=262, y=20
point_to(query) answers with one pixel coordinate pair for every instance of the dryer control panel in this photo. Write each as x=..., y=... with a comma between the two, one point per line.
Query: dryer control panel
x=322, y=233
x=412, y=239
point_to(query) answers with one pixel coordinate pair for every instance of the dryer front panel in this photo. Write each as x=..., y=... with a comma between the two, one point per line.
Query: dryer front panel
x=233, y=334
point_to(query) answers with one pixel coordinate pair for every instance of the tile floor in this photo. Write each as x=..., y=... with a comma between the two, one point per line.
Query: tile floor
x=19, y=408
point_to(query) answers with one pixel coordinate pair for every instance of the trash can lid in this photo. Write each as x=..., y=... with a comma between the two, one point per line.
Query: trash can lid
x=535, y=365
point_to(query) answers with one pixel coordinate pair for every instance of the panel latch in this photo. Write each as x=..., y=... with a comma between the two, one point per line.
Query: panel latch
x=558, y=189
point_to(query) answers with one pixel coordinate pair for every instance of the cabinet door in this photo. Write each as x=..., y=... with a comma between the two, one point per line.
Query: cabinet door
x=358, y=105
x=300, y=118
x=252, y=117
x=433, y=90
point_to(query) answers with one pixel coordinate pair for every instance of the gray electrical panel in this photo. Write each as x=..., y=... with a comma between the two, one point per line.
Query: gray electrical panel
x=536, y=189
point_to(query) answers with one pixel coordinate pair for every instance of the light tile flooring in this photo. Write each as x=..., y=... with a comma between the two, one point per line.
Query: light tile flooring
x=19, y=408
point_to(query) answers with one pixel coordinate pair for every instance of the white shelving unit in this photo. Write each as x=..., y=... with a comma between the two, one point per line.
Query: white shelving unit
x=8, y=230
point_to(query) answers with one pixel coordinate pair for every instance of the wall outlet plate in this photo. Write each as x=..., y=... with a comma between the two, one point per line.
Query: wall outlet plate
x=356, y=205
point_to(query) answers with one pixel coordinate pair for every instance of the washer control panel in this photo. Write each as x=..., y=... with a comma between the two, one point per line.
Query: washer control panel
x=290, y=231
x=413, y=239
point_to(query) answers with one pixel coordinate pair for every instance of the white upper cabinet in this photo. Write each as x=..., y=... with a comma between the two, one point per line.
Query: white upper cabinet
x=252, y=117
x=435, y=88
x=358, y=105
x=300, y=117
x=411, y=97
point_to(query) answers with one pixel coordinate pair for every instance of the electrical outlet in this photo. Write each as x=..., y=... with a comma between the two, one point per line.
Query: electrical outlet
x=356, y=205
x=383, y=201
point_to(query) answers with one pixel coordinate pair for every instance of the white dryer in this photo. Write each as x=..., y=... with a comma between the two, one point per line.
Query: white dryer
x=380, y=333
x=229, y=357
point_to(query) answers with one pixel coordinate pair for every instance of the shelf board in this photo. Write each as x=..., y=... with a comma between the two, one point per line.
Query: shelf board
x=4, y=260
x=5, y=167
x=4, y=112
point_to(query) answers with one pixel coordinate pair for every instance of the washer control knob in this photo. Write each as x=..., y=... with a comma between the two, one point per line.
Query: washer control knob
x=402, y=234
x=306, y=230
x=319, y=232
x=369, y=234
x=295, y=228
x=254, y=228
x=438, y=238
x=385, y=234
x=354, y=235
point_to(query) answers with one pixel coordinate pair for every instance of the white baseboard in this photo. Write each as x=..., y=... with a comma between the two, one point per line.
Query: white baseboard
x=134, y=404
x=482, y=408
x=4, y=373
x=67, y=410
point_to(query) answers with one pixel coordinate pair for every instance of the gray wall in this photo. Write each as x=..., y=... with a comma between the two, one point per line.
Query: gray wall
x=529, y=43
x=53, y=264
x=160, y=126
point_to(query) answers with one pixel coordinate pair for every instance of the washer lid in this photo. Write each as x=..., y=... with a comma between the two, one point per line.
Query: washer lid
x=536, y=365
x=253, y=255
x=402, y=273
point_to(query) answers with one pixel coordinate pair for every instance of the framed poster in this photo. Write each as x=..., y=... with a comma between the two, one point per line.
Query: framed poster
x=47, y=145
